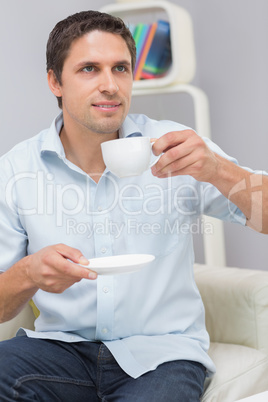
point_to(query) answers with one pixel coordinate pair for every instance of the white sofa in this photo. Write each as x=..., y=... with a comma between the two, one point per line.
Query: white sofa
x=236, y=304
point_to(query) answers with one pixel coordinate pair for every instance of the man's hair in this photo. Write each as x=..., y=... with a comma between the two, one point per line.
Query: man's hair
x=74, y=27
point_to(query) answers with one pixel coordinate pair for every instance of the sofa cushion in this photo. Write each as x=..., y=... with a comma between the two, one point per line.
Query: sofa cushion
x=236, y=305
x=241, y=372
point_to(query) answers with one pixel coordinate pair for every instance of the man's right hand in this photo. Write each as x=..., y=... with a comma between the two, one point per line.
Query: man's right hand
x=52, y=269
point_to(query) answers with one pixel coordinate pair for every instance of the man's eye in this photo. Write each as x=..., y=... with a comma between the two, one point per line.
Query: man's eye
x=121, y=69
x=88, y=69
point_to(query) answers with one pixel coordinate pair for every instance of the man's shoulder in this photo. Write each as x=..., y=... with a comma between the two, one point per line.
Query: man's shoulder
x=23, y=152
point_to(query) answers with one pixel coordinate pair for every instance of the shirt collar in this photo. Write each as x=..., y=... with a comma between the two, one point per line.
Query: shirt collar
x=52, y=142
x=129, y=129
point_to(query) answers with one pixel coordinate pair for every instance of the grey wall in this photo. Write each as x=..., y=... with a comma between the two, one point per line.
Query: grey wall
x=232, y=64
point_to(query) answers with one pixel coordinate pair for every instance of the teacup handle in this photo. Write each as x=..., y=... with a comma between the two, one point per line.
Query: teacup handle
x=157, y=157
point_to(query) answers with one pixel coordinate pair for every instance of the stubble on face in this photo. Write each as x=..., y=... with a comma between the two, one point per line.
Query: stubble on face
x=107, y=124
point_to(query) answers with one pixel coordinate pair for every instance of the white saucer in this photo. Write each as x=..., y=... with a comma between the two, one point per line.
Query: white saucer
x=119, y=264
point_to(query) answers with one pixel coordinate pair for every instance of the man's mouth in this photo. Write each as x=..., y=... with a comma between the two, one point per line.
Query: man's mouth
x=110, y=106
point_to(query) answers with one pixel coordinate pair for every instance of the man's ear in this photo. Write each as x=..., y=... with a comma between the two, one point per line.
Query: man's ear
x=54, y=84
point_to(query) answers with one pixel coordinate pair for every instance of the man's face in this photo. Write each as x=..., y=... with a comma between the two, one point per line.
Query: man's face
x=96, y=83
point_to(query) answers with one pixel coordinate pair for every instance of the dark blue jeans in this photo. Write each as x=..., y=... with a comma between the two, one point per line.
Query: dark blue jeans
x=44, y=370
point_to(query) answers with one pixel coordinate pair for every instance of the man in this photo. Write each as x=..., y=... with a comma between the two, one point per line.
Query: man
x=132, y=337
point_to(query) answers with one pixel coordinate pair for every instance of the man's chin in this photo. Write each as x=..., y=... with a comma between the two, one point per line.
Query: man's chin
x=108, y=128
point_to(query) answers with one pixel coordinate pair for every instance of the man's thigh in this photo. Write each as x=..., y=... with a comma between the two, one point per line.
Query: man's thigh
x=36, y=369
x=176, y=381
x=43, y=370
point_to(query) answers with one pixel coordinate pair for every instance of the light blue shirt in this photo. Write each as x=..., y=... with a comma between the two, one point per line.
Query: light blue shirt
x=144, y=318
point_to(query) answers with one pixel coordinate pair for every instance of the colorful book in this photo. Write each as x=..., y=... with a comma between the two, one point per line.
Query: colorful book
x=140, y=42
x=137, y=31
x=158, y=60
x=150, y=76
x=145, y=50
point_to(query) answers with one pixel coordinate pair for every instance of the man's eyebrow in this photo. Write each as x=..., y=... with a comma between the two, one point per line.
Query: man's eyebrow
x=86, y=63
x=123, y=63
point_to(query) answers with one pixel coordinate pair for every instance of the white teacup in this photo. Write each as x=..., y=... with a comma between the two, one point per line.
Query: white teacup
x=128, y=156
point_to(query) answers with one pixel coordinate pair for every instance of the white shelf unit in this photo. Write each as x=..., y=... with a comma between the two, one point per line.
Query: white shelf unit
x=177, y=81
x=181, y=36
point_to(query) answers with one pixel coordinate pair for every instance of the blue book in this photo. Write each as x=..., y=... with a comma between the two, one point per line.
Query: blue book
x=158, y=59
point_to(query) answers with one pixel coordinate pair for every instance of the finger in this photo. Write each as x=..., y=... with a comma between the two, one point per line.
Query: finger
x=75, y=256
x=72, y=254
x=192, y=169
x=173, y=159
x=77, y=271
x=181, y=172
x=183, y=164
x=169, y=140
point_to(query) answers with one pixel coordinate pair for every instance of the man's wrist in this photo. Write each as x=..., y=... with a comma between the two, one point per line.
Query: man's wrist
x=23, y=271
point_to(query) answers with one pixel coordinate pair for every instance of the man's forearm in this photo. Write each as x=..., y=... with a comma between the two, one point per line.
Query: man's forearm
x=246, y=190
x=15, y=290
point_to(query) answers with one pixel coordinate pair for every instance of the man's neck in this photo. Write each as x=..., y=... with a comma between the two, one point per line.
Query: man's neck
x=84, y=150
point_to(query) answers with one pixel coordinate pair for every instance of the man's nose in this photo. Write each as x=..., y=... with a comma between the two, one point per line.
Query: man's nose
x=108, y=83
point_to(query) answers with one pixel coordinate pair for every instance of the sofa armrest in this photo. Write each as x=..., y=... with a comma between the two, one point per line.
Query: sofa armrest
x=236, y=305
x=24, y=319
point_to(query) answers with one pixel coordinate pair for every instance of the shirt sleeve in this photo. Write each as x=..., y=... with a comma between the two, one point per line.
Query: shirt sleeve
x=13, y=239
x=213, y=203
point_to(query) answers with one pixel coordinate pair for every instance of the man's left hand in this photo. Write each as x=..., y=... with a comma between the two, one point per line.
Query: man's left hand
x=184, y=153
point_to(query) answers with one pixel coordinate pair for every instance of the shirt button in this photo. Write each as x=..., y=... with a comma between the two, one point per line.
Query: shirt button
x=103, y=250
x=105, y=289
x=104, y=330
x=99, y=208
